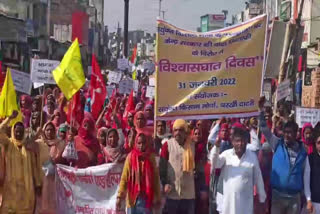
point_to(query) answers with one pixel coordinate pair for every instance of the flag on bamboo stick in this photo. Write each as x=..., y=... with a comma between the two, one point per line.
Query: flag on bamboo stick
x=69, y=74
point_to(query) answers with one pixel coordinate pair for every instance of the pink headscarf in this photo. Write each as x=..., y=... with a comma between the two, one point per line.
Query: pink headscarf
x=309, y=143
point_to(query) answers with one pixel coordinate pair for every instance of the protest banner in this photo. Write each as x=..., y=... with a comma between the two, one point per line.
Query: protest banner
x=90, y=190
x=41, y=70
x=114, y=77
x=150, y=92
x=307, y=115
x=209, y=75
x=283, y=90
x=125, y=86
x=21, y=81
x=123, y=64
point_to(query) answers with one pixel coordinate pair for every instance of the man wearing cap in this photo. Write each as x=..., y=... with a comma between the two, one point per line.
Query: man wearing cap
x=177, y=170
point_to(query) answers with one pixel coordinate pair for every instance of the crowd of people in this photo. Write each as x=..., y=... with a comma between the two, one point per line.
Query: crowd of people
x=259, y=165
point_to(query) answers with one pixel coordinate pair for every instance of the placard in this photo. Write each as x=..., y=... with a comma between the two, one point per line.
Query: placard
x=123, y=64
x=283, y=90
x=152, y=81
x=114, y=77
x=125, y=86
x=136, y=85
x=307, y=115
x=110, y=89
x=41, y=70
x=149, y=66
x=150, y=92
x=22, y=82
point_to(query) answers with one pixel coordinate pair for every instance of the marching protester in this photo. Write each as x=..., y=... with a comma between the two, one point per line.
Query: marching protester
x=240, y=173
x=140, y=181
x=177, y=167
x=311, y=177
x=287, y=167
x=21, y=181
x=50, y=153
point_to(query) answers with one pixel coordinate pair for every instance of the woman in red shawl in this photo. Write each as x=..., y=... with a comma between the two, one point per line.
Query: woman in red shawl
x=307, y=137
x=25, y=106
x=86, y=143
x=202, y=200
x=140, y=181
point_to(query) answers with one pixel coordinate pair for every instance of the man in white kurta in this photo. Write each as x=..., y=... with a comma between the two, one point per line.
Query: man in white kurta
x=240, y=173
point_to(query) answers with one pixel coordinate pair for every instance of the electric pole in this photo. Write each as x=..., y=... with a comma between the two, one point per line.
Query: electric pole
x=160, y=7
x=126, y=28
x=163, y=12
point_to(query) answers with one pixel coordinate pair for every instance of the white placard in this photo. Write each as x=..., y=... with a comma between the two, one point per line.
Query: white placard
x=114, y=77
x=307, y=115
x=136, y=85
x=37, y=85
x=41, y=70
x=110, y=89
x=22, y=82
x=150, y=92
x=125, y=86
x=152, y=81
x=283, y=90
x=123, y=64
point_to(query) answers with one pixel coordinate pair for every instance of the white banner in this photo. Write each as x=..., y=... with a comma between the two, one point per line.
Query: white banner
x=307, y=115
x=22, y=82
x=283, y=90
x=125, y=86
x=110, y=89
x=90, y=190
x=114, y=77
x=150, y=92
x=41, y=70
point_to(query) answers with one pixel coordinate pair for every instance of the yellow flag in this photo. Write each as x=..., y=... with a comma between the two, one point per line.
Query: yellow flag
x=69, y=74
x=8, y=99
x=134, y=74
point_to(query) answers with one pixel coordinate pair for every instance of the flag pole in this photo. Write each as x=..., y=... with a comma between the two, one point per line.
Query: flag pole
x=42, y=104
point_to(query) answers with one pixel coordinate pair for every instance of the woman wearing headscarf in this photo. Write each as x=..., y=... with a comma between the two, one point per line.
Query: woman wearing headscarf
x=140, y=182
x=50, y=153
x=114, y=151
x=21, y=180
x=86, y=143
x=62, y=132
x=25, y=107
x=149, y=115
x=200, y=162
x=140, y=123
x=307, y=137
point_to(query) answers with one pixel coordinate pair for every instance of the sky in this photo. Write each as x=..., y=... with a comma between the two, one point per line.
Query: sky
x=181, y=13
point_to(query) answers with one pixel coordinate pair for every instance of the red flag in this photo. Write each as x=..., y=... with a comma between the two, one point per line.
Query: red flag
x=75, y=111
x=130, y=105
x=98, y=91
